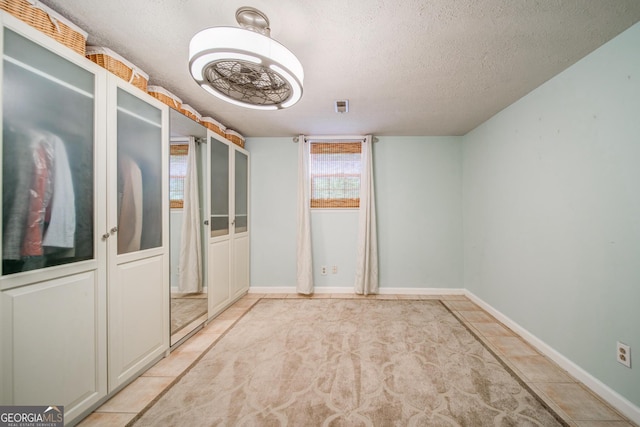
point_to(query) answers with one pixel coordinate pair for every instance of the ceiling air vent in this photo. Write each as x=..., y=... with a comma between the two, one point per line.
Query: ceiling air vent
x=342, y=106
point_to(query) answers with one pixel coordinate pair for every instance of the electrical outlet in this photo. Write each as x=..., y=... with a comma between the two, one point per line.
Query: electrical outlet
x=623, y=354
x=334, y=269
x=323, y=270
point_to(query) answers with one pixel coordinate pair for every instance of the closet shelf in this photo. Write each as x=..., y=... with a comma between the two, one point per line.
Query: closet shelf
x=139, y=117
x=46, y=76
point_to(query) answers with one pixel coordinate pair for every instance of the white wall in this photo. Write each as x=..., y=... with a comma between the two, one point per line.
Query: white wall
x=552, y=212
x=418, y=189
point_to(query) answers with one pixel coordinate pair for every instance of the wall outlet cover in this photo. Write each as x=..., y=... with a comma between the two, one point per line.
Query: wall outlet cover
x=623, y=354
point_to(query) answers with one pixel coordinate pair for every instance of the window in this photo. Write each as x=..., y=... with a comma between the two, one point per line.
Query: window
x=335, y=174
x=177, y=174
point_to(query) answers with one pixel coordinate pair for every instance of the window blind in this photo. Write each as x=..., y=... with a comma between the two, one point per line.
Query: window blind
x=335, y=174
x=177, y=173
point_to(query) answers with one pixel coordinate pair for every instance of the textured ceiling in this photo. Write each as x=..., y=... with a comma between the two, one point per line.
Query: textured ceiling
x=408, y=67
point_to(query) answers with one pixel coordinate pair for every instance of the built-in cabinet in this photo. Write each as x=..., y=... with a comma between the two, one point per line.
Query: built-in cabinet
x=84, y=283
x=228, y=223
x=84, y=295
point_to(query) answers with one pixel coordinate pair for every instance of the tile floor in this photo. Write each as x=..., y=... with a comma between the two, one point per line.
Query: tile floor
x=566, y=396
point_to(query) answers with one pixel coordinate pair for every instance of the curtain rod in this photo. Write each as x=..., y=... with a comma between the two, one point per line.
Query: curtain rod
x=334, y=138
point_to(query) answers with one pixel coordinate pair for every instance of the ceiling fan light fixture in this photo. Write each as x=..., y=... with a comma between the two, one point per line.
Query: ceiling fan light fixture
x=245, y=66
x=198, y=65
x=234, y=102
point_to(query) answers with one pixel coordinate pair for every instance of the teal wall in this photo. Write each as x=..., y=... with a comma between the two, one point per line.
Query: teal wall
x=419, y=199
x=274, y=177
x=419, y=232
x=552, y=211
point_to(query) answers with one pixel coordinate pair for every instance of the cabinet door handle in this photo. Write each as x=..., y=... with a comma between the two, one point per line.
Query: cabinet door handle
x=105, y=236
x=114, y=230
x=206, y=222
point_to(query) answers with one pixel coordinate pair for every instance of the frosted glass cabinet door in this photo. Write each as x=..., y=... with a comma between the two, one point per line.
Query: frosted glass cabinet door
x=138, y=268
x=219, y=188
x=48, y=151
x=139, y=174
x=241, y=192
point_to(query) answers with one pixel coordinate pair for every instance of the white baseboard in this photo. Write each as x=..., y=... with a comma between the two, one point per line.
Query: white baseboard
x=272, y=290
x=422, y=291
x=176, y=290
x=292, y=290
x=349, y=290
x=605, y=392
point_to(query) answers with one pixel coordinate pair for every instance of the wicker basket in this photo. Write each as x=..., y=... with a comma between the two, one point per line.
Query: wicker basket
x=234, y=137
x=213, y=125
x=119, y=66
x=48, y=22
x=188, y=111
x=164, y=96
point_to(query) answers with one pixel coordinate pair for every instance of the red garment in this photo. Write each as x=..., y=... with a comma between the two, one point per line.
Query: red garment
x=39, y=198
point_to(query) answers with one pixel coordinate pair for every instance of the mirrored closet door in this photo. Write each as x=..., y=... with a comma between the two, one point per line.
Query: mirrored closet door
x=189, y=306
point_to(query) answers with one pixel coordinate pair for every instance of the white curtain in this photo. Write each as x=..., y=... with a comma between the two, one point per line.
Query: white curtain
x=304, y=282
x=367, y=256
x=190, y=264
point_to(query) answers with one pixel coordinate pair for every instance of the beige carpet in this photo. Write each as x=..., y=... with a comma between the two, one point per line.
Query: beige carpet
x=349, y=362
x=185, y=311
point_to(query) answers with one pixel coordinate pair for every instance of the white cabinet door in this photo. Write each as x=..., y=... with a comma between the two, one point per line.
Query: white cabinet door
x=228, y=222
x=218, y=218
x=138, y=232
x=53, y=279
x=240, y=222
